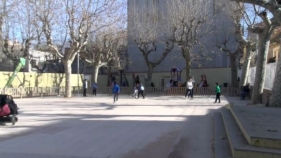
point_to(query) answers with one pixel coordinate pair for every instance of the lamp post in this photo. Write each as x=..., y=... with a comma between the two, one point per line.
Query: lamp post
x=78, y=73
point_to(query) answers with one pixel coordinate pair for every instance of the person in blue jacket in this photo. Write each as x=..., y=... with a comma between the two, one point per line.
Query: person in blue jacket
x=115, y=91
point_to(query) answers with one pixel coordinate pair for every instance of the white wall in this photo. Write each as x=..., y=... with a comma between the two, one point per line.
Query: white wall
x=269, y=75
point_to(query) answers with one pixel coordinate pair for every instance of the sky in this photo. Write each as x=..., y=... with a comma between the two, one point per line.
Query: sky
x=252, y=17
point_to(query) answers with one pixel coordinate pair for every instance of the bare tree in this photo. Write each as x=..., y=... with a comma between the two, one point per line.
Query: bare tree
x=74, y=18
x=274, y=6
x=233, y=40
x=188, y=22
x=226, y=34
x=264, y=32
x=18, y=35
x=105, y=49
x=146, y=34
x=5, y=11
x=229, y=45
x=249, y=44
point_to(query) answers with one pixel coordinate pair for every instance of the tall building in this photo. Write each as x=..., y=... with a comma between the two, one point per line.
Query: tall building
x=158, y=12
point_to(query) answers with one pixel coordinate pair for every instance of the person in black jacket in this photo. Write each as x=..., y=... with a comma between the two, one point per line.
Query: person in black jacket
x=245, y=91
x=85, y=87
x=140, y=88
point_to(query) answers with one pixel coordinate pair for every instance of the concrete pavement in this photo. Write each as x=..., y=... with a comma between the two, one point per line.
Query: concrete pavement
x=94, y=127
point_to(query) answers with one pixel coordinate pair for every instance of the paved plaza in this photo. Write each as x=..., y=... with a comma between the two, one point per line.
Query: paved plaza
x=94, y=127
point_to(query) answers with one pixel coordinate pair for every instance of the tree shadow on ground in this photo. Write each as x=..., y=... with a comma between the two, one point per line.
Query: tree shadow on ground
x=107, y=134
x=237, y=101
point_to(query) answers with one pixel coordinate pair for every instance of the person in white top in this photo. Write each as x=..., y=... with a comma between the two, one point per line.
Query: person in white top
x=193, y=82
x=189, y=87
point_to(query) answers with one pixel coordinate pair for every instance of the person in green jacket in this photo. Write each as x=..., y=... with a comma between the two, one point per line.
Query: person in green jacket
x=218, y=93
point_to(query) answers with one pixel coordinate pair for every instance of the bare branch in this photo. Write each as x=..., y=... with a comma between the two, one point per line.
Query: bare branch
x=146, y=34
x=187, y=24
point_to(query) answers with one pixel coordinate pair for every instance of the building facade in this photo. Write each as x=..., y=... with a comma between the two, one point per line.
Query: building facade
x=214, y=57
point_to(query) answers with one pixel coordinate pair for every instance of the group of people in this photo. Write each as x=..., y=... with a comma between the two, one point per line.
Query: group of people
x=190, y=85
x=139, y=90
x=191, y=82
x=85, y=87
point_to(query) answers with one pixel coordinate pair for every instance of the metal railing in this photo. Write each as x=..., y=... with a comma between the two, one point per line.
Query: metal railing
x=173, y=91
x=149, y=91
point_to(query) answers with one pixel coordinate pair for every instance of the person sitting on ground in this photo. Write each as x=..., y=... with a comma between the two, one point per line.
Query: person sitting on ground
x=245, y=91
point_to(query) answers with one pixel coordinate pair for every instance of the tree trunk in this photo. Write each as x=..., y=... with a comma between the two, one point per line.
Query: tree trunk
x=1, y=29
x=186, y=55
x=275, y=100
x=108, y=76
x=233, y=66
x=149, y=74
x=121, y=77
x=67, y=71
x=264, y=42
x=95, y=73
x=246, y=66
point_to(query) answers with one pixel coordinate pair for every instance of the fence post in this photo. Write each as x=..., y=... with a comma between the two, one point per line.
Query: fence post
x=21, y=92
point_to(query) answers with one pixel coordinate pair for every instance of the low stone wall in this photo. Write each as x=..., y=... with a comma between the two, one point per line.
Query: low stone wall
x=265, y=96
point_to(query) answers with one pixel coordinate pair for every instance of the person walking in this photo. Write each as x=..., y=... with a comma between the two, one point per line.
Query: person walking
x=85, y=86
x=115, y=91
x=140, y=90
x=189, y=87
x=193, y=83
x=218, y=93
x=135, y=91
x=94, y=86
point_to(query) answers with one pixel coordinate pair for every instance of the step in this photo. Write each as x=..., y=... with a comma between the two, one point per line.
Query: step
x=260, y=126
x=238, y=144
x=222, y=147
